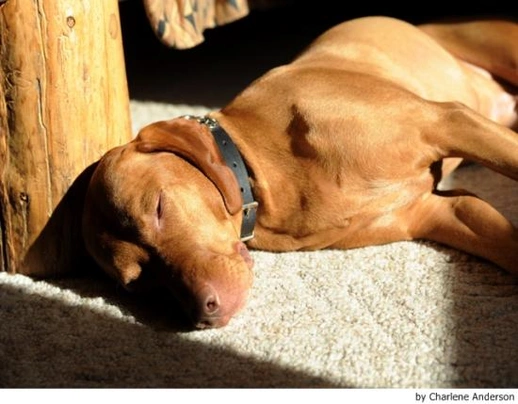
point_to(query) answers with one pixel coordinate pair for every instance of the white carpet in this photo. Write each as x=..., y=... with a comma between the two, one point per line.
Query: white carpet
x=406, y=315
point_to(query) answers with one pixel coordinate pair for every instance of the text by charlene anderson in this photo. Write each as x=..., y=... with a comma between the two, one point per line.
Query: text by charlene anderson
x=485, y=396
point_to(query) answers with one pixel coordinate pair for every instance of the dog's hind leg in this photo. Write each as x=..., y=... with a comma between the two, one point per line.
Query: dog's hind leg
x=490, y=44
x=488, y=49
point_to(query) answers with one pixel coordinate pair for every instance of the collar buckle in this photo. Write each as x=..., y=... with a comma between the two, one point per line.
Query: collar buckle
x=247, y=207
x=249, y=215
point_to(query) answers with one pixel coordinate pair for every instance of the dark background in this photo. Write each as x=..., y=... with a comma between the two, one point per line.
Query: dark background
x=235, y=54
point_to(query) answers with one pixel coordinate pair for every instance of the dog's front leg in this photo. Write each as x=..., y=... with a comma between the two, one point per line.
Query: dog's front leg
x=463, y=221
x=457, y=218
x=458, y=131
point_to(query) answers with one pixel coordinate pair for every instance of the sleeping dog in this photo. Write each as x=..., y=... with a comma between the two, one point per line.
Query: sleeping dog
x=342, y=148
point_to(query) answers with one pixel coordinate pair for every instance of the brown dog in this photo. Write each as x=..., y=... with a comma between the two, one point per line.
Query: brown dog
x=342, y=148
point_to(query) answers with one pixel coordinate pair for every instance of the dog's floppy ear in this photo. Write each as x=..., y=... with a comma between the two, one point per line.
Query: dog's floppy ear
x=194, y=142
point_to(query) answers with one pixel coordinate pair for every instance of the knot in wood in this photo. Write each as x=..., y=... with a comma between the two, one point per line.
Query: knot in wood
x=71, y=21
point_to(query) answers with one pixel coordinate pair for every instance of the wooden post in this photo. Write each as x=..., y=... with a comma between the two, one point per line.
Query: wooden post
x=63, y=103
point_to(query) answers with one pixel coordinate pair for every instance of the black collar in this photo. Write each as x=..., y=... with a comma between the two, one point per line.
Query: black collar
x=235, y=162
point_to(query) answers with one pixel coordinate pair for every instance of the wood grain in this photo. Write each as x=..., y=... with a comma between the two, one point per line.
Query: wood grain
x=63, y=103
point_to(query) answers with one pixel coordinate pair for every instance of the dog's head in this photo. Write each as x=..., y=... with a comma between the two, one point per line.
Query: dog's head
x=166, y=207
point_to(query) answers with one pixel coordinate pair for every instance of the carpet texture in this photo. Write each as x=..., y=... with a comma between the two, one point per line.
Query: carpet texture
x=406, y=315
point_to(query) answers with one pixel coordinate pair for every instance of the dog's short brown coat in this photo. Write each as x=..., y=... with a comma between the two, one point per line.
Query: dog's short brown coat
x=345, y=147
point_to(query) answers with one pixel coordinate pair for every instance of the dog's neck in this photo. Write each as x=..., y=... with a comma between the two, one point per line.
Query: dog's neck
x=235, y=162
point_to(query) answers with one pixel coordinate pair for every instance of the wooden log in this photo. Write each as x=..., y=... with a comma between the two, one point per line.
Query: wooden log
x=63, y=103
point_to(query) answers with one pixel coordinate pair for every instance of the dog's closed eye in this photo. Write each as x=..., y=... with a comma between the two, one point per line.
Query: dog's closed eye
x=159, y=208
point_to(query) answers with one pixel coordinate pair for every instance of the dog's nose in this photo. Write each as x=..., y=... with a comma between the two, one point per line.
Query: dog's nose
x=208, y=313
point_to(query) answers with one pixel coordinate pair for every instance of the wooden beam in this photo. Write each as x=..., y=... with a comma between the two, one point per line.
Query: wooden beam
x=63, y=103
